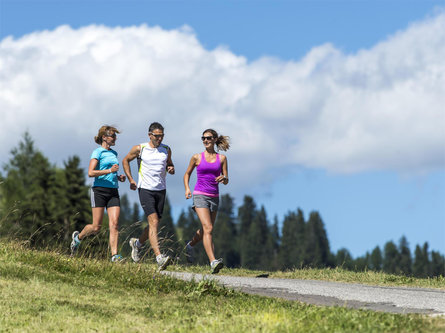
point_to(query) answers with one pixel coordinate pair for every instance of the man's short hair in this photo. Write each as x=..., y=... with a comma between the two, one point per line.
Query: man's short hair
x=154, y=126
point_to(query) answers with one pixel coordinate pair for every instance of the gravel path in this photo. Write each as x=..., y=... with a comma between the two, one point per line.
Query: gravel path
x=387, y=299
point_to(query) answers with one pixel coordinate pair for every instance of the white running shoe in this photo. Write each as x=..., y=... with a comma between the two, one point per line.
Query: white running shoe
x=134, y=250
x=216, y=265
x=163, y=262
x=74, y=243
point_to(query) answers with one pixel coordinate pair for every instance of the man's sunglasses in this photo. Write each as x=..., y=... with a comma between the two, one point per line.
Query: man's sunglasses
x=157, y=136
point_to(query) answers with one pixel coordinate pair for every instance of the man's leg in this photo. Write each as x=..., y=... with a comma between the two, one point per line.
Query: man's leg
x=153, y=222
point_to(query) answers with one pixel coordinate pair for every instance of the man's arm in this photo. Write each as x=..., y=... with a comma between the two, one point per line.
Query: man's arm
x=170, y=166
x=134, y=152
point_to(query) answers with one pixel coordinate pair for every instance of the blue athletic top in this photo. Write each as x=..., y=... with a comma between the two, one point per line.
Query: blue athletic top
x=106, y=159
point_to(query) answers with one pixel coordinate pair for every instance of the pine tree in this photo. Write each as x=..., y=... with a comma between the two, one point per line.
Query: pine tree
x=361, y=263
x=437, y=264
x=343, y=259
x=405, y=264
x=273, y=245
x=27, y=194
x=246, y=214
x=59, y=205
x=316, y=242
x=376, y=259
x=291, y=252
x=225, y=234
x=79, y=206
x=419, y=267
x=391, y=258
x=166, y=232
x=256, y=254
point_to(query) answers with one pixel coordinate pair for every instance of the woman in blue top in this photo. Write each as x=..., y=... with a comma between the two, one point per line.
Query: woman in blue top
x=104, y=166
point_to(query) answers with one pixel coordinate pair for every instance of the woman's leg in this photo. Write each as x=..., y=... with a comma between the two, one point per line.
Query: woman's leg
x=113, y=217
x=98, y=214
x=207, y=220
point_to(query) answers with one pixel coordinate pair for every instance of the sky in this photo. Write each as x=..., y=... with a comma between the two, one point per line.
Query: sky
x=331, y=106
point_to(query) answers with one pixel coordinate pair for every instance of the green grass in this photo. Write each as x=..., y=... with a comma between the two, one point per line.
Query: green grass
x=330, y=274
x=47, y=291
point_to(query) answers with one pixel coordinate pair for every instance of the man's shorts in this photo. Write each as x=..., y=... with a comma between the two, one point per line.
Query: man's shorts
x=205, y=201
x=104, y=197
x=152, y=201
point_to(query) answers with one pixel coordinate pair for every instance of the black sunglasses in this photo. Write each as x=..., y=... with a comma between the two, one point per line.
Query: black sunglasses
x=157, y=136
x=203, y=138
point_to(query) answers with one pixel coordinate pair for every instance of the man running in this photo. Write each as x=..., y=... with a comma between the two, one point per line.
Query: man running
x=154, y=161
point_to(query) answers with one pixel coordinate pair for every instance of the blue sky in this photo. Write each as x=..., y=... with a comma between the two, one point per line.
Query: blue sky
x=371, y=161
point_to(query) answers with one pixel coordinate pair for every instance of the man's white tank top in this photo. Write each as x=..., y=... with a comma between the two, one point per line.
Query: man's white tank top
x=152, y=164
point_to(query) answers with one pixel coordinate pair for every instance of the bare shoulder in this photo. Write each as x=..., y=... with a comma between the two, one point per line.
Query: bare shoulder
x=136, y=149
x=222, y=157
x=196, y=158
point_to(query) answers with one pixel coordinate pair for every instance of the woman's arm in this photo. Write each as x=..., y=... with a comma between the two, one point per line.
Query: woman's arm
x=224, y=178
x=96, y=173
x=188, y=172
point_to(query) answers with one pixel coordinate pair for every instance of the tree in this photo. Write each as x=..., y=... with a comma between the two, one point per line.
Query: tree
x=166, y=233
x=27, y=194
x=79, y=206
x=422, y=265
x=273, y=246
x=343, y=259
x=391, y=258
x=376, y=259
x=246, y=214
x=256, y=239
x=362, y=263
x=225, y=233
x=316, y=243
x=437, y=264
x=405, y=264
x=291, y=252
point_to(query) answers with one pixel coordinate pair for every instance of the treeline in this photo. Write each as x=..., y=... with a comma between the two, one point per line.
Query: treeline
x=43, y=204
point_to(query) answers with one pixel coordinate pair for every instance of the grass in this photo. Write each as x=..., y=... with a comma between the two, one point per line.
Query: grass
x=48, y=291
x=331, y=274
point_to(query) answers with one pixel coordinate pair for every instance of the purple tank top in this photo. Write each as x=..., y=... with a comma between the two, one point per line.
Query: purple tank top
x=206, y=173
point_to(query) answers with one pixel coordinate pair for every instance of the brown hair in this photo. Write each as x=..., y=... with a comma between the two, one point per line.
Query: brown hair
x=105, y=130
x=222, y=142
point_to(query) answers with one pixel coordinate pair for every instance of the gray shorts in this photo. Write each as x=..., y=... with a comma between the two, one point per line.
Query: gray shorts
x=204, y=201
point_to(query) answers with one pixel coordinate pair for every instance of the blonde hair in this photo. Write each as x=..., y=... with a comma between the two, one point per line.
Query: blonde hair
x=222, y=142
x=105, y=130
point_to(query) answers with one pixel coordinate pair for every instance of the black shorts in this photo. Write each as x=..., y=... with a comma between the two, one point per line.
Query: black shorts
x=105, y=197
x=152, y=201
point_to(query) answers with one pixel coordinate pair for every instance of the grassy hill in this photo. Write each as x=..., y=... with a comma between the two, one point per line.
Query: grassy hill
x=47, y=291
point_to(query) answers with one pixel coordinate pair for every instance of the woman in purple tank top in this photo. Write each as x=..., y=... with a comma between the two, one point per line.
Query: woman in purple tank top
x=211, y=169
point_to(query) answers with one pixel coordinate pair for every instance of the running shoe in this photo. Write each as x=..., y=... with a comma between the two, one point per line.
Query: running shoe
x=163, y=262
x=117, y=258
x=216, y=265
x=134, y=250
x=189, y=253
x=74, y=243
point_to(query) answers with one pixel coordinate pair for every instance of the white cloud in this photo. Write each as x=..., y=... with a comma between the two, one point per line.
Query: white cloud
x=381, y=108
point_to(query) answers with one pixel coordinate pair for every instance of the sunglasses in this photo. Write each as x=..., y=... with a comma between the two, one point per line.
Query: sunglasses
x=157, y=136
x=203, y=138
x=112, y=136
